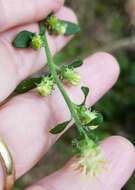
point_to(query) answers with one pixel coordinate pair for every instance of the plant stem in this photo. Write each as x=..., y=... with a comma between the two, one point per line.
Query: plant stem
x=53, y=71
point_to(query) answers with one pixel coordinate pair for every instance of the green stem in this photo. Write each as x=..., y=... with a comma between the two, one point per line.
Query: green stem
x=53, y=71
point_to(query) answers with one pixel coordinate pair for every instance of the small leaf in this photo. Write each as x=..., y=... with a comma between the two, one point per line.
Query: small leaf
x=97, y=121
x=42, y=28
x=23, y=39
x=86, y=92
x=59, y=128
x=71, y=28
x=76, y=63
x=27, y=85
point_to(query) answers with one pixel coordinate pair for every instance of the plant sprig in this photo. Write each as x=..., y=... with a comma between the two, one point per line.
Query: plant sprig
x=84, y=118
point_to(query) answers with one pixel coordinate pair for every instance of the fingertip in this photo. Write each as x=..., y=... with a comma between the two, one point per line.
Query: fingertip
x=59, y=4
x=36, y=187
x=121, y=141
x=34, y=11
x=68, y=14
x=111, y=64
x=106, y=71
x=108, y=63
x=120, y=156
x=119, y=145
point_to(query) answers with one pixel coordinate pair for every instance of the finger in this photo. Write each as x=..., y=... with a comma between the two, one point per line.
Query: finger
x=120, y=156
x=18, y=64
x=25, y=120
x=20, y=12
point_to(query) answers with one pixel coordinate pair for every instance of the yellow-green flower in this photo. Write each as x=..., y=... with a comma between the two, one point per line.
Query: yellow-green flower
x=60, y=28
x=52, y=21
x=70, y=76
x=91, y=119
x=36, y=42
x=90, y=160
x=55, y=25
x=46, y=86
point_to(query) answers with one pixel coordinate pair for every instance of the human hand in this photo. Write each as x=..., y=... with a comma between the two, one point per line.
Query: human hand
x=26, y=119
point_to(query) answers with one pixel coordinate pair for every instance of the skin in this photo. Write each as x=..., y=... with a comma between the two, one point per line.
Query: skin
x=26, y=119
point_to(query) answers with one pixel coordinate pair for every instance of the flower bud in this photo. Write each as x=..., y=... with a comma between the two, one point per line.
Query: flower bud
x=90, y=159
x=46, y=86
x=36, y=42
x=70, y=76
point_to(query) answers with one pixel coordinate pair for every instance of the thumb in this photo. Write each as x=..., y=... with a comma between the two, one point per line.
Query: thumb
x=120, y=156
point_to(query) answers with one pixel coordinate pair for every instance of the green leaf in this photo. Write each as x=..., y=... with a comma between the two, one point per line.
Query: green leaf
x=71, y=28
x=27, y=85
x=76, y=64
x=42, y=28
x=60, y=127
x=97, y=121
x=85, y=92
x=23, y=39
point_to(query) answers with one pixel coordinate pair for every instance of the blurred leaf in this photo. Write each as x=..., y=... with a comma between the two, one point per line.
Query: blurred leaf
x=60, y=127
x=23, y=39
x=117, y=25
x=71, y=28
x=76, y=63
x=27, y=85
x=131, y=77
x=85, y=92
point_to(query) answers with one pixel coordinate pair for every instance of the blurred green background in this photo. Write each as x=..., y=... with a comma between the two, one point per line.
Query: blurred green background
x=107, y=25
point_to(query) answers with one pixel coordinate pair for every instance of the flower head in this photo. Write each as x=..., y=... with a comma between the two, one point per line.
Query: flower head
x=90, y=160
x=46, y=86
x=52, y=21
x=55, y=25
x=36, y=42
x=69, y=75
x=60, y=28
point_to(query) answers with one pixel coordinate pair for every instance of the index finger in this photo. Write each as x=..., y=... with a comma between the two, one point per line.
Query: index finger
x=18, y=12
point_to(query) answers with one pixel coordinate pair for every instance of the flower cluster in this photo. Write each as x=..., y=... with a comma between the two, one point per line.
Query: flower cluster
x=56, y=26
x=45, y=87
x=36, y=42
x=90, y=158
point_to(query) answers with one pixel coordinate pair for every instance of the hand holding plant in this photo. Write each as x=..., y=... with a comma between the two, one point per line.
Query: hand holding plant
x=30, y=118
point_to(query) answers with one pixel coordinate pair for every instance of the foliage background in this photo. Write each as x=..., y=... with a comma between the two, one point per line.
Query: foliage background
x=106, y=25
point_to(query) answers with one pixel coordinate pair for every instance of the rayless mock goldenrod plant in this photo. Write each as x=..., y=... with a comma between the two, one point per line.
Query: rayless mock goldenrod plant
x=90, y=158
